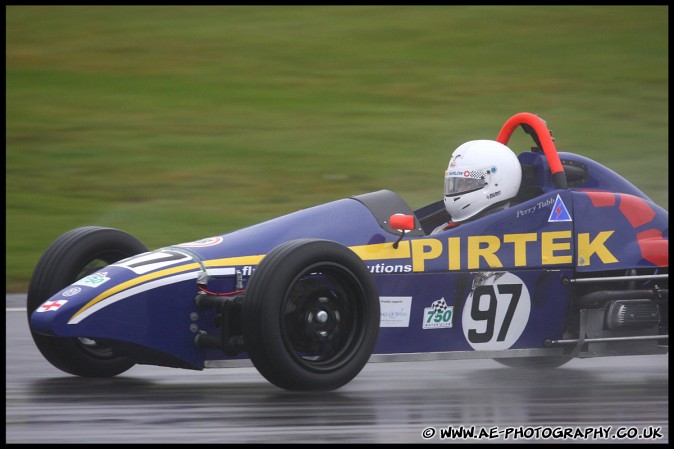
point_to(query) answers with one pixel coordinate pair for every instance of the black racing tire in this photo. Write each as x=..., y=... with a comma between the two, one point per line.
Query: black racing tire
x=310, y=318
x=72, y=256
x=534, y=362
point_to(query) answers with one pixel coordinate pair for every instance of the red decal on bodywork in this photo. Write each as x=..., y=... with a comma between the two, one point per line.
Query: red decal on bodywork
x=653, y=247
x=601, y=199
x=636, y=210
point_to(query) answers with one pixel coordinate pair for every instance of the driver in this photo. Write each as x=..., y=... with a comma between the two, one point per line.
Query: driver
x=482, y=177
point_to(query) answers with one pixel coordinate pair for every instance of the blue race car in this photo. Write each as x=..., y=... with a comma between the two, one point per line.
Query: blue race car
x=576, y=267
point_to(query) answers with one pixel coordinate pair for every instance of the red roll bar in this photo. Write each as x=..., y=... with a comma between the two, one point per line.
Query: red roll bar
x=547, y=144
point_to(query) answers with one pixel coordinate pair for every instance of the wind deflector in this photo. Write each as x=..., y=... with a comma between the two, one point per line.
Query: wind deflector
x=385, y=203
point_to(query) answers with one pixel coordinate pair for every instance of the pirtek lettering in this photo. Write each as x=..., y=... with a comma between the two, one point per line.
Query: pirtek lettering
x=555, y=249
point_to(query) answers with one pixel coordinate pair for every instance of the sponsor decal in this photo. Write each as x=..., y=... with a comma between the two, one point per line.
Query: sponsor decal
x=477, y=174
x=94, y=280
x=210, y=241
x=386, y=268
x=493, y=195
x=71, y=291
x=49, y=306
x=439, y=315
x=486, y=251
x=559, y=212
x=395, y=311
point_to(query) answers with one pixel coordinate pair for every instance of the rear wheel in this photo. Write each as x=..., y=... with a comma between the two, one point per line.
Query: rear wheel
x=72, y=256
x=310, y=315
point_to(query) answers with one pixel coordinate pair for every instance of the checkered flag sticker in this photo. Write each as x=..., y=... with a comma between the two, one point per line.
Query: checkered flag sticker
x=439, y=315
x=440, y=305
x=478, y=174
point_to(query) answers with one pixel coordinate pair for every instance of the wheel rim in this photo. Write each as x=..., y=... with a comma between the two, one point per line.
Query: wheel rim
x=94, y=348
x=322, y=317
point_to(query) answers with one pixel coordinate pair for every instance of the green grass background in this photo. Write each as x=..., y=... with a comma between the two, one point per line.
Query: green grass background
x=178, y=123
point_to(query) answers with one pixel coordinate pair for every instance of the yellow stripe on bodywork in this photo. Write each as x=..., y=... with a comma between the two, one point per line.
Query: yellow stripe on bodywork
x=382, y=251
x=136, y=281
x=229, y=261
x=245, y=260
x=377, y=251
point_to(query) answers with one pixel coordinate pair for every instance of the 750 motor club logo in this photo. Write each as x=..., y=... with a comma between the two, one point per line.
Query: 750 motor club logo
x=438, y=315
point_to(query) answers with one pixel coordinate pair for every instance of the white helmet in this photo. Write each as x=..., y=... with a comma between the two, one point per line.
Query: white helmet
x=480, y=174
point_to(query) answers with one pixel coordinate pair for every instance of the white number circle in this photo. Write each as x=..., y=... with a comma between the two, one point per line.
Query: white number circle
x=496, y=312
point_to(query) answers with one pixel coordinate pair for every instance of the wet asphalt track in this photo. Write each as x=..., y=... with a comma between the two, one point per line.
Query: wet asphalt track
x=386, y=403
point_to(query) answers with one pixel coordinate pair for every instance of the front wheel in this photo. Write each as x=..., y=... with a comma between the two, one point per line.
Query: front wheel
x=310, y=315
x=72, y=256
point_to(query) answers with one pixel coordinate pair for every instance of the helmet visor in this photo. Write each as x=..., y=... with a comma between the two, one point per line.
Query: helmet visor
x=455, y=185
